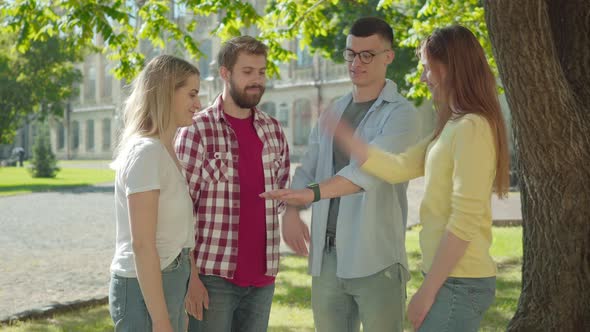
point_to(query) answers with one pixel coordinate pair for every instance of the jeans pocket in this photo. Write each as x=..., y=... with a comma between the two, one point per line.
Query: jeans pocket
x=118, y=298
x=481, y=298
x=174, y=265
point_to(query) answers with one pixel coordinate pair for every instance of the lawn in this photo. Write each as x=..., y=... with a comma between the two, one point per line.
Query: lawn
x=291, y=309
x=17, y=180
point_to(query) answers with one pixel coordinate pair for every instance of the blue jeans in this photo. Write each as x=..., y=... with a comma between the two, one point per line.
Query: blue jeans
x=460, y=305
x=341, y=305
x=127, y=306
x=233, y=308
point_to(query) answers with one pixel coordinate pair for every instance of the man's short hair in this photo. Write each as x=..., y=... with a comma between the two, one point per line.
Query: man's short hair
x=368, y=26
x=228, y=54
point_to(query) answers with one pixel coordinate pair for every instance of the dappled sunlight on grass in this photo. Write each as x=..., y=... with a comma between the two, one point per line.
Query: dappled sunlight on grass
x=508, y=286
x=84, y=320
x=507, y=243
x=291, y=308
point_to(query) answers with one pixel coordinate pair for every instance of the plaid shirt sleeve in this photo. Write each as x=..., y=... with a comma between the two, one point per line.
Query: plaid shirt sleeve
x=190, y=152
x=283, y=174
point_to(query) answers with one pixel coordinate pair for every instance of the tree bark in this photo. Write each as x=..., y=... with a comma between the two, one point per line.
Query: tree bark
x=542, y=49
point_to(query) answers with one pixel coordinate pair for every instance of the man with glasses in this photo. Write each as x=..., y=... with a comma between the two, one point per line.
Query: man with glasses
x=357, y=258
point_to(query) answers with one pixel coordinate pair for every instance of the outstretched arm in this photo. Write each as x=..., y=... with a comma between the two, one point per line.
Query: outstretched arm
x=335, y=186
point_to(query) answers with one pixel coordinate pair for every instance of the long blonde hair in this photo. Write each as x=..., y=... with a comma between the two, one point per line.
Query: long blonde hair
x=469, y=87
x=146, y=112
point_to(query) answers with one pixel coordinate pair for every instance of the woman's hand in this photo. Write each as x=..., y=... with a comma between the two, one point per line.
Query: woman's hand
x=419, y=307
x=345, y=138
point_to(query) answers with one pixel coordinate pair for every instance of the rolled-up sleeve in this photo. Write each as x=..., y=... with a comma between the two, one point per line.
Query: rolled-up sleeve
x=474, y=165
x=306, y=172
x=283, y=174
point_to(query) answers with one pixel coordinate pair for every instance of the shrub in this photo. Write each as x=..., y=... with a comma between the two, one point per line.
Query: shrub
x=43, y=163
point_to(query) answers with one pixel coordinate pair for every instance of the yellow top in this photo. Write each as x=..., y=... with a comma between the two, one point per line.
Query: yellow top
x=459, y=168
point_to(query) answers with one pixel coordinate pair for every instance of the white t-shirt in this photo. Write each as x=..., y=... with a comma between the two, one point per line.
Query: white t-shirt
x=146, y=165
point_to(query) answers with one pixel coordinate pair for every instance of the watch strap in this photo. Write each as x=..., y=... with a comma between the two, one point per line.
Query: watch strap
x=316, y=191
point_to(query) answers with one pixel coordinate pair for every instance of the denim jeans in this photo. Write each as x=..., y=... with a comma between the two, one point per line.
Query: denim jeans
x=341, y=305
x=460, y=305
x=127, y=306
x=233, y=308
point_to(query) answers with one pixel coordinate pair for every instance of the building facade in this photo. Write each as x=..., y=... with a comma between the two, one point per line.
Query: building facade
x=90, y=126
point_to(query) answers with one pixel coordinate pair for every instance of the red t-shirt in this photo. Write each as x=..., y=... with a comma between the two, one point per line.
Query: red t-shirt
x=251, y=264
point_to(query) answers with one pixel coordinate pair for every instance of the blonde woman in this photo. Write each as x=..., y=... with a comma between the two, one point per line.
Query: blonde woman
x=154, y=214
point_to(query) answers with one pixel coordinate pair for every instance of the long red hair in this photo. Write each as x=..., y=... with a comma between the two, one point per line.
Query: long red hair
x=468, y=87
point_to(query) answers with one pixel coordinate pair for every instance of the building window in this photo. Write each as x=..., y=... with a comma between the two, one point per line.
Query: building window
x=108, y=83
x=75, y=135
x=61, y=136
x=90, y=88
x=269, y=108
x=304, y=58
x=301, y=121
x=283, y=115
x=89, y=134
x=106, y=134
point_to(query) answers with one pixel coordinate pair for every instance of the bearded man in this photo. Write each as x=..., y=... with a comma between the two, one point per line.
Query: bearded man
x=231, y=154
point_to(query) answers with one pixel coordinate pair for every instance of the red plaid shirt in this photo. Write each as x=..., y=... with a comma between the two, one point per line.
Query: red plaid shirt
x=208, y=151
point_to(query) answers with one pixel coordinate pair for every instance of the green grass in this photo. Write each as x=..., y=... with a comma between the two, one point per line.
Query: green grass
x=291, y=309
x=87, y=320
x=17, y=180
x=84, y=161
x=507, y=252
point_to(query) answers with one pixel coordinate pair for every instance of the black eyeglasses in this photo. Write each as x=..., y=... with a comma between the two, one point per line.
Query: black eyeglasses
x=365, y=56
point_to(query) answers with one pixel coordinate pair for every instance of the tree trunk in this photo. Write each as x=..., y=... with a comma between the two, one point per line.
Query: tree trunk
x=543, y=53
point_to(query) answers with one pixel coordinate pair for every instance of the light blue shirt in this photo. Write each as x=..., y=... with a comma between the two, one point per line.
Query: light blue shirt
x=371, y=224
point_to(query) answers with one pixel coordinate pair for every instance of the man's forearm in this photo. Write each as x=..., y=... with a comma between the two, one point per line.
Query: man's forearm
x=337, y=186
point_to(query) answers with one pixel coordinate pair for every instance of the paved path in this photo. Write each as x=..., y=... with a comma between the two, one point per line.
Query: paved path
x=57, y=247
x=54, y=247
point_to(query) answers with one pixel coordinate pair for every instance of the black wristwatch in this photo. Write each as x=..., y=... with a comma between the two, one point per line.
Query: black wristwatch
x=316, y=191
